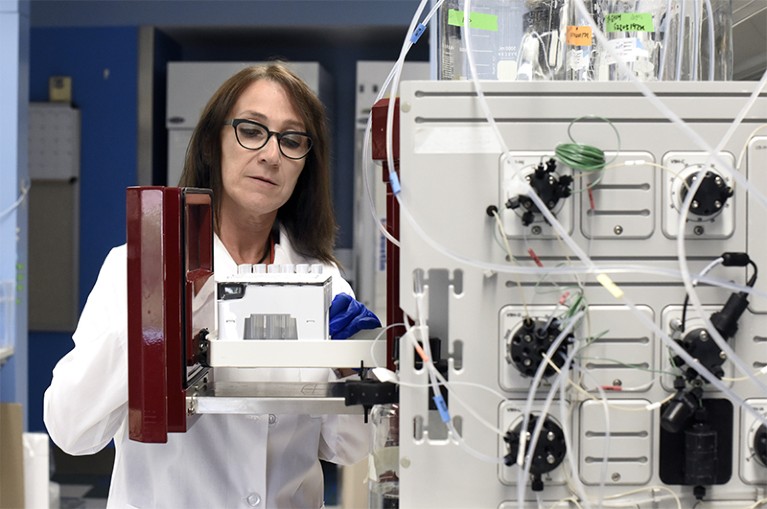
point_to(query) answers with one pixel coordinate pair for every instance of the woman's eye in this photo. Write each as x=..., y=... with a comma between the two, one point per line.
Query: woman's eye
x=252, y=132
x=290, y=142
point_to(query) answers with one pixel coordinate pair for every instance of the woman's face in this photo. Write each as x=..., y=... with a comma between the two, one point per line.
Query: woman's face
x=258, y=182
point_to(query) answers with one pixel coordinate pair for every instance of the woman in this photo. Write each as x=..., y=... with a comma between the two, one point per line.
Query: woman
x=262, y=146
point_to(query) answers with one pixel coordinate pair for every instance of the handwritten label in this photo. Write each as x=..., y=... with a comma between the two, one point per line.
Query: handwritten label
x=629, y=22
x=628, y=49
x=577, y=61
x=579, y=35
x=477, y=20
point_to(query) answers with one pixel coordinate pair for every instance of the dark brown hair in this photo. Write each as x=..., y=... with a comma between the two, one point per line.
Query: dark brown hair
x=308, y=215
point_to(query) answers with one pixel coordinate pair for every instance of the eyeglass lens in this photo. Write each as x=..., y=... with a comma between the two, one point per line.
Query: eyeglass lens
x=254, y=136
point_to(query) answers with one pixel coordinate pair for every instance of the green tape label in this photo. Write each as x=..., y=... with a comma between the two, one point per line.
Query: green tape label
x=477, y=20
x=629, y=22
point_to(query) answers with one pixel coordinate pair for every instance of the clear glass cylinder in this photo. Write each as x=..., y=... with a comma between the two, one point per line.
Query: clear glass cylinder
x=687, y=40
x=496, y=30
x=716, y=57
x=634, y=30
x=699, y=40
x=384, y=468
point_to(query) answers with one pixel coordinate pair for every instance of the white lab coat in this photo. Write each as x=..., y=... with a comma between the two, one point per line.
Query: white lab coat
x=223, y=461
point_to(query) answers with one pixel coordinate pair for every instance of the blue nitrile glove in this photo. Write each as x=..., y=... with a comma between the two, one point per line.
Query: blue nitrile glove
x=349, y=316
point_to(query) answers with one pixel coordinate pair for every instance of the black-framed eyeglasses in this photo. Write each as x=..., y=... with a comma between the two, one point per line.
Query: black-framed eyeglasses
x=253, y=136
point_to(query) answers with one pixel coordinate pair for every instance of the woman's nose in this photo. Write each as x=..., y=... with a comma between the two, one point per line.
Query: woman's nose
x=271, y=151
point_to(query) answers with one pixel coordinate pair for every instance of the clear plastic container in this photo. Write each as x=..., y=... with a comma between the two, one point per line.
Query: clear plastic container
x=384, y=477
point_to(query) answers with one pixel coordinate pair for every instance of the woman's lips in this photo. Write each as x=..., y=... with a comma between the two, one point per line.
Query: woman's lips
x=262, y=179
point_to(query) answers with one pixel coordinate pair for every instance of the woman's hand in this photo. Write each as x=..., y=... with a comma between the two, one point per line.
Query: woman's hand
x=348, y=316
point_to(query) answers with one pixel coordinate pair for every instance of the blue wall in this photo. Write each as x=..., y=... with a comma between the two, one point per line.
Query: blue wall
x=103, y=65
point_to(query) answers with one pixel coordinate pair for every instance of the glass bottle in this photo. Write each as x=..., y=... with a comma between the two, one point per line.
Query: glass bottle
x=541, y=52
x=580, y=42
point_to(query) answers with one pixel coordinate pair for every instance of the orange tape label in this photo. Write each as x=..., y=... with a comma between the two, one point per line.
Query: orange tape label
x=579, y=35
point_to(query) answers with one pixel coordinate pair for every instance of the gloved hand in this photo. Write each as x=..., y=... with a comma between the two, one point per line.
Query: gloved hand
x=349, y=316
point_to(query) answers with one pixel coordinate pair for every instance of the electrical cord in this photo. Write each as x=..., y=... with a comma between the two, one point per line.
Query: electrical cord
x=729, y=259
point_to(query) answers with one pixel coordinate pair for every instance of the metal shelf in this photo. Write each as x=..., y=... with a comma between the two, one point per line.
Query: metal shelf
x=272, y=397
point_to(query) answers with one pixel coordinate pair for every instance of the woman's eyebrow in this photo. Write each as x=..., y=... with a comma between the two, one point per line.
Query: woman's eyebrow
x=291, y=125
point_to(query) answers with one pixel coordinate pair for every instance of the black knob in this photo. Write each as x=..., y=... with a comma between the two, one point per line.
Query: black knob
x=711, y=195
